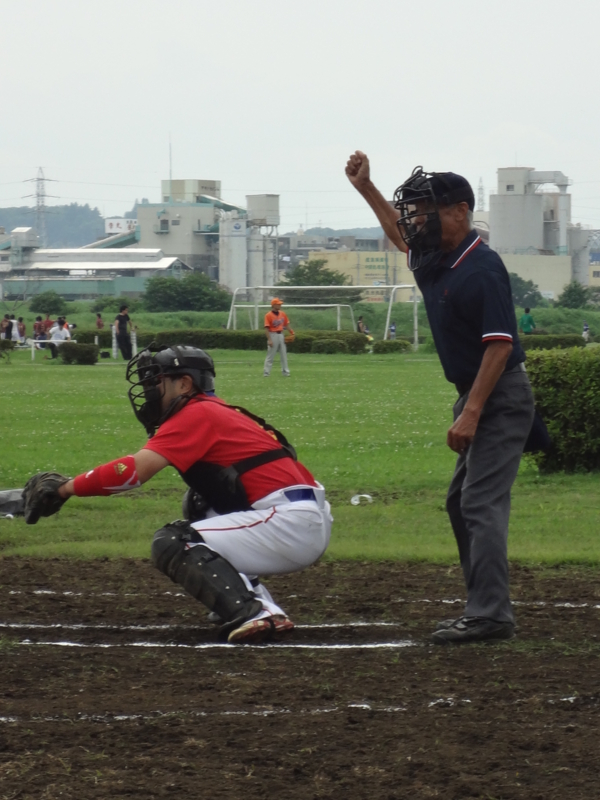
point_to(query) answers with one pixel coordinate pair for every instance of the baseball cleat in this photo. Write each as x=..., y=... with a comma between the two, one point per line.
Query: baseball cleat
x=281, y=625
x=256, y=631
x=469, y=630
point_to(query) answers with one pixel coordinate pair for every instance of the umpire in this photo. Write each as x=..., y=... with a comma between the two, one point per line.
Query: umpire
x=469, y=306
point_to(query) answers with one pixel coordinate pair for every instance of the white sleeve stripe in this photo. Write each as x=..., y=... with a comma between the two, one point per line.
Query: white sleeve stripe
x=498, y=333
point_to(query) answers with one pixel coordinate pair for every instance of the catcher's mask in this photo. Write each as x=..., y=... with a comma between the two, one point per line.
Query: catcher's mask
x=146, y=373
x=418, y=200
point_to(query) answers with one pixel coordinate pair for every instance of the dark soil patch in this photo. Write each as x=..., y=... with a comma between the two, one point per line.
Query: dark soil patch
x=138, y=709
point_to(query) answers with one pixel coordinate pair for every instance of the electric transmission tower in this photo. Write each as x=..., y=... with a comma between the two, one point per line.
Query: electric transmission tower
x=40, y=204
x=480, y=196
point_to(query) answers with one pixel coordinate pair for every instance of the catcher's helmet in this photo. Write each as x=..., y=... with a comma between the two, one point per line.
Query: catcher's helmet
x=418, y=200
x=145, y=373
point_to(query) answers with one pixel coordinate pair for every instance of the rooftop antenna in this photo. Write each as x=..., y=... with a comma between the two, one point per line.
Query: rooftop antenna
x=40, y=204
x=480, y=196
x=170, y=160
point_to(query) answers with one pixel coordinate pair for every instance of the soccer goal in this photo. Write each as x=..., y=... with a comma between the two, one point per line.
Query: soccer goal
x=256, y=290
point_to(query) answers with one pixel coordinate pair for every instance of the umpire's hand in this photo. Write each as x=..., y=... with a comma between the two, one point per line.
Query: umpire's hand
x=462, y=432
x=358, y=169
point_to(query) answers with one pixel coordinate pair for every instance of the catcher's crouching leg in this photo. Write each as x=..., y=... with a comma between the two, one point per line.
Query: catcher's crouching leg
x=203, y=573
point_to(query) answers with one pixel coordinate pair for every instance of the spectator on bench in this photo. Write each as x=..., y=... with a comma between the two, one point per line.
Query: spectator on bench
x=58, y=335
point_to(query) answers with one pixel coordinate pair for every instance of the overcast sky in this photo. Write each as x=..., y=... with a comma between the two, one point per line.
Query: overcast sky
x=272, y=96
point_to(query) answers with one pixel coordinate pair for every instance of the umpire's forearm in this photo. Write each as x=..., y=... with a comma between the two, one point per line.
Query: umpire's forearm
x=386, y=214
x=492, y=366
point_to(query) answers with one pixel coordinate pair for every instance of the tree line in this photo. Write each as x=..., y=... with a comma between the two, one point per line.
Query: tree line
x=574, y=295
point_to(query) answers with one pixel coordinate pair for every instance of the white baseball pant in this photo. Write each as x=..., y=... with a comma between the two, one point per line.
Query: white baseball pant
x=276, y=537
x=278, y=345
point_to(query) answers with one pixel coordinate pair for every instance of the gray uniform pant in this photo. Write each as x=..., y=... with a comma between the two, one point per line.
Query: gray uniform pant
x=478, y=500
x=278, y=345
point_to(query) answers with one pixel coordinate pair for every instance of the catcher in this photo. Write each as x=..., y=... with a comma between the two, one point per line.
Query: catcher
x=251, y=508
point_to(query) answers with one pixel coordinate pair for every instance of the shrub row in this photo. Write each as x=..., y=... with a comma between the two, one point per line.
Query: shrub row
x=552, y=342
x=329, y=346
x=229, y=340
x=76, y=353
x=355, y=342
x=105, y=337
x=566, y=384
x=392, y=346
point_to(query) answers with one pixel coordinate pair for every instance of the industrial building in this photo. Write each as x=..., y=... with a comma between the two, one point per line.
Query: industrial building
x=533, y=233
x=26, y=269
x=248, y=244
x=367, y=267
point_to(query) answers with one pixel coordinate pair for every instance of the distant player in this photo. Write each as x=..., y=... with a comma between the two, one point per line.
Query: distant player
x=276, y=322
x=252, y=509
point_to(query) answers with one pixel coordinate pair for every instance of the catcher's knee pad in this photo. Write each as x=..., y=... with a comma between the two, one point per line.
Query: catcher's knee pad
x=203, y=573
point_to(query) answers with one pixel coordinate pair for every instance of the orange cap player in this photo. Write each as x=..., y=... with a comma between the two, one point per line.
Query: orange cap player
x=276, y=322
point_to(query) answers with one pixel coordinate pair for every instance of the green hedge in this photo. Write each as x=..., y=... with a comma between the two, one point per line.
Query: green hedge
x=76, y=353
x=355, y=342
x=566, y=384
x=329, y=346
x=552, y=342
x=105, y=337
x=302, y=343
x=391, y=346
x=210, y=340
x=228, y=340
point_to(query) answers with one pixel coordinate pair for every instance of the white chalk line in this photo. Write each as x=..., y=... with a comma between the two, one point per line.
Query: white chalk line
x=397, y=600
x=223, y=645
x=80, y=626
x=440, y=702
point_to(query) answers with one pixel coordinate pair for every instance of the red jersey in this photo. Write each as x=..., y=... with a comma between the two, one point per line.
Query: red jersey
x=209, y=431
x=276, y=322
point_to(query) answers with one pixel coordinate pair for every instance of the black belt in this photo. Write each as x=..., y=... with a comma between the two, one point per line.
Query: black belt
x=297, y=495
x=463, y=388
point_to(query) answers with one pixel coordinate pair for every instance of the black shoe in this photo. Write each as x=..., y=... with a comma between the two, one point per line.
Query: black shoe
x=444, y=624
x=467, y=630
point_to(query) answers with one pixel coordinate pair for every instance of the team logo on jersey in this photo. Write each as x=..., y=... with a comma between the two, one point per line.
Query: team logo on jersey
x=120, y=468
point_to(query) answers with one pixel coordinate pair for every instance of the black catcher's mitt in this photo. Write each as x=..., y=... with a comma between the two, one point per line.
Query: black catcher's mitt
x=41, y=497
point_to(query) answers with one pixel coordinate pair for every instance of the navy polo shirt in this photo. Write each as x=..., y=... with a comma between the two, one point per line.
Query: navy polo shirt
x=469, y=303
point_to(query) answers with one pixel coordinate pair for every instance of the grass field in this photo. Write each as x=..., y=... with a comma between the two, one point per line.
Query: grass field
x=362, y=424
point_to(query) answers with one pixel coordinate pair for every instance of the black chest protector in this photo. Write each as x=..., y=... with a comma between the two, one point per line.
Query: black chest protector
x=221, y=486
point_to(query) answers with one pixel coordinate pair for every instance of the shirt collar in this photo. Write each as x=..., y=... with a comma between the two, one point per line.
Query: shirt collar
x=468, y=244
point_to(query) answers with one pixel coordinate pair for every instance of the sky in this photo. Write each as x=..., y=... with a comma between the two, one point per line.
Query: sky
x=271, y=97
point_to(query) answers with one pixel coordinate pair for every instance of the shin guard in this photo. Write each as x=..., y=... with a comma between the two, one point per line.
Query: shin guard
x=203, y=573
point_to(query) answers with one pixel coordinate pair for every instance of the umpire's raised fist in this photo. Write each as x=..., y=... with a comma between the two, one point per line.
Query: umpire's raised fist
x=358, y=170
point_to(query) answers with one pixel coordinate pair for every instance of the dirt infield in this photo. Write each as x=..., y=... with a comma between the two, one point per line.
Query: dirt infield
x=113, y=686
